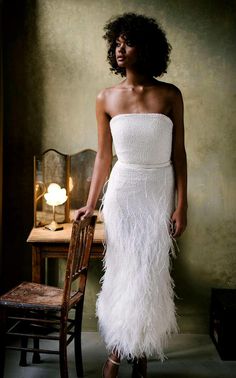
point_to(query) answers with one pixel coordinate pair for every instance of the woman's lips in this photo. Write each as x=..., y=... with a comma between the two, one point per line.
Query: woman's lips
x=120, y=58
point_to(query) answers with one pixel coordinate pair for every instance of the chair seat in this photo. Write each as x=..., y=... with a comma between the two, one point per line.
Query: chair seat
x=32, y=295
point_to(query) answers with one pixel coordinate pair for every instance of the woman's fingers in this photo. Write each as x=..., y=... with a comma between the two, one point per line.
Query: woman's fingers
x=87, y=214
x=178, y=224
x=178, y=229
x=83, y=213
x=84, y=216
x=78, y=214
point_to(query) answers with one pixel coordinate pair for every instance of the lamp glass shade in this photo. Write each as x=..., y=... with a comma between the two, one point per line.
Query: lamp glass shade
x=55, y=195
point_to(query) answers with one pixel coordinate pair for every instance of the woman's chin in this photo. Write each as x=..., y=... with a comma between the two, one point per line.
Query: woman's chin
x=121, y=64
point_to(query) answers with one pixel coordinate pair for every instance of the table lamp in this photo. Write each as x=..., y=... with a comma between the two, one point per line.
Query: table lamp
x=55, y=196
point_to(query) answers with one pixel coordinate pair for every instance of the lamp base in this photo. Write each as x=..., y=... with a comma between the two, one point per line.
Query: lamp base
x=53, y=226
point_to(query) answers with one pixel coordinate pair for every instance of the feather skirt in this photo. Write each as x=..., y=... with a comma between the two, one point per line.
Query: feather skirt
x=135, y=307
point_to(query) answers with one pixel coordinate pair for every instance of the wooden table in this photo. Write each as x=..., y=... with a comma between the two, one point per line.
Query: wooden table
x=54, y=244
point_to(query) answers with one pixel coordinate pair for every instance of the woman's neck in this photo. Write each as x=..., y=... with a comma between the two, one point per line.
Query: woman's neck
x=136, y=79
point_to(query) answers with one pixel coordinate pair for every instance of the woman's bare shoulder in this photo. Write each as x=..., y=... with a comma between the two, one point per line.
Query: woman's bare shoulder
x=172, y=89
x=107, y=97
x=173, y=94
x=109, y=90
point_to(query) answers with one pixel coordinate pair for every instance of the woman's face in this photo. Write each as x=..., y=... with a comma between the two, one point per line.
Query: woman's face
x=126, y=55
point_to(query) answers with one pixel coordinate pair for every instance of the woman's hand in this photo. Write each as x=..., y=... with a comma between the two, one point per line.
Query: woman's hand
x=83, y=212
x=179, y=221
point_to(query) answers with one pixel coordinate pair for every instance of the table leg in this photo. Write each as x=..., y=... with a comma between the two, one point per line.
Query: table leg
x=38, y=266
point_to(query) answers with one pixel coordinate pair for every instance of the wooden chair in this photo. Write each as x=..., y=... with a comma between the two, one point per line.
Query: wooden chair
x=38, y=311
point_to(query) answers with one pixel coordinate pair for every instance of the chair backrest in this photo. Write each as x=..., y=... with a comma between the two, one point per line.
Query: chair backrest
x=78, y=259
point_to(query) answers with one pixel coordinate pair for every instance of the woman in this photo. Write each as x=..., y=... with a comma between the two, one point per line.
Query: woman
x=144, y=118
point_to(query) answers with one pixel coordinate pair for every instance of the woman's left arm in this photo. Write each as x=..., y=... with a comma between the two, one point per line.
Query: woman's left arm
x=179, y=217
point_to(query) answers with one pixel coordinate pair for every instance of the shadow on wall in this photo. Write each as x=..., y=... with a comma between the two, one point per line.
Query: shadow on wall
x=23, y=103
x=192, y=294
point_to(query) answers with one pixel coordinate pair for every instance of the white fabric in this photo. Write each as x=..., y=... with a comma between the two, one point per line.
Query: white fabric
x=135, y=307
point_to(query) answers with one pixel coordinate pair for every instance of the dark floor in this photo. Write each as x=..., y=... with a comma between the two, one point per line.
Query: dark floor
x=189, y=356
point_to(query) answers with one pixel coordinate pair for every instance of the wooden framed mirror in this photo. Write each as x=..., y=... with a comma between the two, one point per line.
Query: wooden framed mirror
x=72, y=172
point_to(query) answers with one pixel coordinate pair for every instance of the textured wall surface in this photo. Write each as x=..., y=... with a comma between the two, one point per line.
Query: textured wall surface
x=60, y=53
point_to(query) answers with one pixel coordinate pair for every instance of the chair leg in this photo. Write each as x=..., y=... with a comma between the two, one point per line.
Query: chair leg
x=3, y=322
x=23, y=353
x=63, y=349
x=77, y=340
x=36, y=355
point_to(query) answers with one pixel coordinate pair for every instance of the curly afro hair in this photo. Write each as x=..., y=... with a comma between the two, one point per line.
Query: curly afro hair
x=145, y=34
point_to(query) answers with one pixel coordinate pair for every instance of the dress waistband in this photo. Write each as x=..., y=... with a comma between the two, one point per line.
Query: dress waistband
x=144, y=166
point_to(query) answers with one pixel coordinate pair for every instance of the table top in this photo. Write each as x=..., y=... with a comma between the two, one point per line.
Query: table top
x=42, y=235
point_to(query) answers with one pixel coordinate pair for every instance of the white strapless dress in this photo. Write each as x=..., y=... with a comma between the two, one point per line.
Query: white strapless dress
x=135, y=307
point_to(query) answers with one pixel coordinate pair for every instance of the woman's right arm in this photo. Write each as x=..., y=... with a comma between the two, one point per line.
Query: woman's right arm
x=103, y=159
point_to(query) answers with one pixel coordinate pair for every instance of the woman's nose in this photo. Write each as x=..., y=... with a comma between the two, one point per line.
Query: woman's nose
x=122, y=47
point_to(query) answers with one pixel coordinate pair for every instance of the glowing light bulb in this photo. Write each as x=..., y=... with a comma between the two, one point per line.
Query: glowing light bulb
x=55, y=196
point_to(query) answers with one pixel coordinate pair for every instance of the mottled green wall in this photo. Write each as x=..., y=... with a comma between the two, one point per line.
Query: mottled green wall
x=65, y=60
